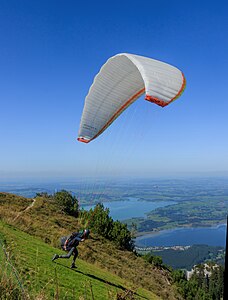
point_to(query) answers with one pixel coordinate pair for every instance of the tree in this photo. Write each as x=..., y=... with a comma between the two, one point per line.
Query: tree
x=122, y=236
x=101, y=223
x=153, y=259
x=67, y=202
x=201, y=286
x=100, y=220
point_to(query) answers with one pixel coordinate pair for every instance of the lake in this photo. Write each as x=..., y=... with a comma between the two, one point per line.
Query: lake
x=212, y=236
x=131, y=208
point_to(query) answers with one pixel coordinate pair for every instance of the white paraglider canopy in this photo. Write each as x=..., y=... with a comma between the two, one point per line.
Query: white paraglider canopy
x=122, y=80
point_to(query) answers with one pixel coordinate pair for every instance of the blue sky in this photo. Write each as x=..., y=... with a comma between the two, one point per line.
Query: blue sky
x=50, y=52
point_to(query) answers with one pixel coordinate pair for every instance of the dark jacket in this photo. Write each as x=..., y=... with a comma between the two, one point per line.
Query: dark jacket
x=71, y=241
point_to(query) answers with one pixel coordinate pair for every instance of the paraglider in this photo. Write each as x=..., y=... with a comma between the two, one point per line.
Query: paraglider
x=70, y=244
x=120, y=82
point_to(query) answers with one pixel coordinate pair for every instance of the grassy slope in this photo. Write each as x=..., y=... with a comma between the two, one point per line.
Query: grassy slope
x=106, y=262
x=38, y=273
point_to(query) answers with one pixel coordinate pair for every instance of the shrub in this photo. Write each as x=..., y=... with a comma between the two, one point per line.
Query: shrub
x=154, y=260
x=67, y=202
x=101, y=223
x=121, y=235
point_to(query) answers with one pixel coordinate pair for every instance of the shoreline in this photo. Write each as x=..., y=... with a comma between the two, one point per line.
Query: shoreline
x=159, y=231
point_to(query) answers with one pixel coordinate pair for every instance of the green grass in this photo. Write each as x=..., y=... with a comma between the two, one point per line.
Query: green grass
x=43, y=279
x=106, y=265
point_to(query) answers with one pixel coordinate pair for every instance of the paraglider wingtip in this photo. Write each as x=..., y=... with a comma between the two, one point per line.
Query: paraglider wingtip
x=156, y=101
x=82, y=140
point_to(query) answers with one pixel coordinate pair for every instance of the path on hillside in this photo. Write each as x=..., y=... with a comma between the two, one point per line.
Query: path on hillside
x=26, y=209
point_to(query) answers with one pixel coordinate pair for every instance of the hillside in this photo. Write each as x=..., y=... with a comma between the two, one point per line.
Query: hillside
x=102, y=268
x=193, y=255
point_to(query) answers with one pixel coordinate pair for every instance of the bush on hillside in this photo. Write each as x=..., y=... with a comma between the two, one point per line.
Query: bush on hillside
x=153, y=259
x=67, y=202
x=121, y=235
x=100, y=220
x=101, y=223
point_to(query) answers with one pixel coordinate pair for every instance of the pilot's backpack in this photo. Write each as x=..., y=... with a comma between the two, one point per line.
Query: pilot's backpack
x=66, y=241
